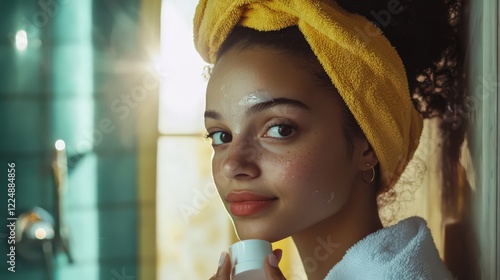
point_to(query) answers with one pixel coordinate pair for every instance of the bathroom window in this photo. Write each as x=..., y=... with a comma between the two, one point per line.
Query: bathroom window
x=192, y=228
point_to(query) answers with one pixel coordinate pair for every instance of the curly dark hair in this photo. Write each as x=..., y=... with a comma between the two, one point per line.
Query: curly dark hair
x=425, y=34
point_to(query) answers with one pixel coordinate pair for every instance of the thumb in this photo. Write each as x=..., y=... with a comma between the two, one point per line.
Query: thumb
x=271, y=268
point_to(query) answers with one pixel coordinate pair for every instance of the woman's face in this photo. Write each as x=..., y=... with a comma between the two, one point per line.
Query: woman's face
x=280, y=161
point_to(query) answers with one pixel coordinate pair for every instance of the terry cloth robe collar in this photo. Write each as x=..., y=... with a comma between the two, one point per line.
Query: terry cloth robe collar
x=405, y=250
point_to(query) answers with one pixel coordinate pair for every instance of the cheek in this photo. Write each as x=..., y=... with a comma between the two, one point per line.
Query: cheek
x=295, y=170
x=297, y=175
x=216, y=169
x=316, y=177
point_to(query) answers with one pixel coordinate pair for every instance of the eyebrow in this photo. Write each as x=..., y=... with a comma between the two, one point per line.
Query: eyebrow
x=263, y=106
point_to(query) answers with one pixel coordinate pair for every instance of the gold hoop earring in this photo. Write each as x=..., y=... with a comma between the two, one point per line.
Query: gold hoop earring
x=372, y=177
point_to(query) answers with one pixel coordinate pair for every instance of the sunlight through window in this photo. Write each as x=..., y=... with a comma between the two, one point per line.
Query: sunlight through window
x=192, y=226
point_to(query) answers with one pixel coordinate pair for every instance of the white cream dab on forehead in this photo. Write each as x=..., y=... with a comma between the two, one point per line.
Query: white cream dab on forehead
x=255, y=97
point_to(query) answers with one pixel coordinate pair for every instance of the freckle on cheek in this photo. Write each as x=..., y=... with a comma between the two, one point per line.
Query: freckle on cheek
x=294, y=169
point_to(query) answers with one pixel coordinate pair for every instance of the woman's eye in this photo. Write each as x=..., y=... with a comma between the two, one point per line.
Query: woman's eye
x=280, y=131
x=220, y=137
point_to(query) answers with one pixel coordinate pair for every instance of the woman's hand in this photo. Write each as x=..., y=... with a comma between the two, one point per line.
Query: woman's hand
x=271, y=268
x=224, y=271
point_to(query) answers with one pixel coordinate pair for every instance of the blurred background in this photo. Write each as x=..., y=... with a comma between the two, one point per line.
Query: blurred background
x=101, y=105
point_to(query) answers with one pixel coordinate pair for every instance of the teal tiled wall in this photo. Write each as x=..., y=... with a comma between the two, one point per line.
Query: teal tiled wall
x=67, y=85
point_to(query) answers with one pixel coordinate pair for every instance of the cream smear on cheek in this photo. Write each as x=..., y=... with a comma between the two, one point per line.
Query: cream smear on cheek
x=325, y=197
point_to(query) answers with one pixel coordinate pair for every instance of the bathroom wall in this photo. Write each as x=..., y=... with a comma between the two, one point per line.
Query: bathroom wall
x=472, y=247
x=25, y=101
x=482, y=166
x=77, y=80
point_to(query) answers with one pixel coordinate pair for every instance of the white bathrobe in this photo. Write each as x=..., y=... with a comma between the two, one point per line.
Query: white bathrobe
x=405, y=250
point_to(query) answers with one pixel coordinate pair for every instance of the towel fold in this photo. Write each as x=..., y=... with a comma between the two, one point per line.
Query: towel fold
x=364, y=67
x=403, y=251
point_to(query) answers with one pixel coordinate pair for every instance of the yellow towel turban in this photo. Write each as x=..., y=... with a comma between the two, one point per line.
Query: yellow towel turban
x=361, y=62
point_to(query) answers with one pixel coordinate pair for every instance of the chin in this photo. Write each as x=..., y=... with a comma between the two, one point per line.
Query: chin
x=257, y=232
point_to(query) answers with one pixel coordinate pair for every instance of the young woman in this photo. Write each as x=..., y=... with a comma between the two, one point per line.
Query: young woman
x=309, y=111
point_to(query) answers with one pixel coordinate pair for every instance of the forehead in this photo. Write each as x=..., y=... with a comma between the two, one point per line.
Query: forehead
x=240, y=74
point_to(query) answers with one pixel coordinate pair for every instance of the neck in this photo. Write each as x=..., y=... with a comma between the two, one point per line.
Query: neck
x=323, y=245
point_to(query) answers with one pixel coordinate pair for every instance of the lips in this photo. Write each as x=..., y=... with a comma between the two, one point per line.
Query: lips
x=247, y=203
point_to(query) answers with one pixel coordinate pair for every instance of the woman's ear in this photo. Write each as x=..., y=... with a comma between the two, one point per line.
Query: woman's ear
x=367, y=157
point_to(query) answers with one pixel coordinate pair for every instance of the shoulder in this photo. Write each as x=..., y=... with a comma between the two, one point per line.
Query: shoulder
x=405, y=250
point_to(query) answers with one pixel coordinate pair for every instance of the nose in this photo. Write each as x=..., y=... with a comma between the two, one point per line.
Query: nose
x=241, y=161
